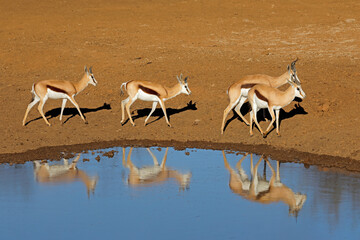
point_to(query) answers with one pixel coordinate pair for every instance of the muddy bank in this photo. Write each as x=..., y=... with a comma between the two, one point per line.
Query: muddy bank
x=58, y=152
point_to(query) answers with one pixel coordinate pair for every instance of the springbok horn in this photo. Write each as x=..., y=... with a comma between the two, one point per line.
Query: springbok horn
x=90, y=69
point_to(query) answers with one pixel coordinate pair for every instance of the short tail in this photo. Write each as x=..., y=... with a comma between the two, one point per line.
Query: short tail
x=121, y=88
x=32, y=93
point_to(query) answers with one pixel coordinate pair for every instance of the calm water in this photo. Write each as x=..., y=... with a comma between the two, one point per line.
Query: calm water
x=197, y=195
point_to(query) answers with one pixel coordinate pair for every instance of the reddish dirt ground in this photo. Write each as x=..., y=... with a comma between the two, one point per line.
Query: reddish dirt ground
x=215, y=43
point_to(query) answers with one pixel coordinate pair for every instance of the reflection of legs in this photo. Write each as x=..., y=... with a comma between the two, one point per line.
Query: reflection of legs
x=62, y=107
x=34, y=101
x=123, y=157
x=238, y=165
x=255, y=180
x=75, y=161
x=152, y=110
x=241, y=171
x=272, y=179
x=129, y=164
x=156, y=163
x=238, y=107
x=164, y=159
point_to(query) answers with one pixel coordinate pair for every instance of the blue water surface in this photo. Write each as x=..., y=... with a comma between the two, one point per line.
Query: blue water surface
x=191, y=199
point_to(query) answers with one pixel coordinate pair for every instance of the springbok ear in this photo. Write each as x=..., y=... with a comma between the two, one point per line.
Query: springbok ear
x=180, y=76
x=90, y=69
x=85, y=68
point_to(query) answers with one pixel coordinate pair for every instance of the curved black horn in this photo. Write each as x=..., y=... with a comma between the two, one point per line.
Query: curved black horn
x=293, y=64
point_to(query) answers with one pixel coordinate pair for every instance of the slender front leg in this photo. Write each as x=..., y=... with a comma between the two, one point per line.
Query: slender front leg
x=123, y=102
x=271, y=110
x=162, y=104
x=36, y=100
x=127, y=107
x=226, y=113
x=72, y=100
x=277, y=113
x=40, y=108
x=251, y=123
x=152, y=110
x=62, y=107
x=255, y=110
x=238, y=107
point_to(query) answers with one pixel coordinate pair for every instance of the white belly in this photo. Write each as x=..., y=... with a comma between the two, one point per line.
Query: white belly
x=147, y=97
x=260, y=103
x=244, y=92
x=56, y=95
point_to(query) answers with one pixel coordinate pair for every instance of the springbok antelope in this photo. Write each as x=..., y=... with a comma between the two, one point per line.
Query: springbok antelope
x=154, y=174
x=45, y=173
x=153, y=92
x=238, y=92
x=264, y=96
x=59, y=89
x=259, y=189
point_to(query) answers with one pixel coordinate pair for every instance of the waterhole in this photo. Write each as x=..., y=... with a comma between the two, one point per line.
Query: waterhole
x=162, y=193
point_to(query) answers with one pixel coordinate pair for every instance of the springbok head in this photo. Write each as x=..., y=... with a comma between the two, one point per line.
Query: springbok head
x=184, y=84
x=90, y=76
x=294, y=82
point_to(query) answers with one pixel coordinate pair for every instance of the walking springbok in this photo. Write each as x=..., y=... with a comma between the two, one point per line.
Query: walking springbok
x=264, y=96
x=153, y=92
x=154, y=174
x=238, y=92
x=259, y=189
x=59, y=89
x=44, y=173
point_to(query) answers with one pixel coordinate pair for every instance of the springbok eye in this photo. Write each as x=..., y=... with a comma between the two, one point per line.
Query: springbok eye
x=298, y=89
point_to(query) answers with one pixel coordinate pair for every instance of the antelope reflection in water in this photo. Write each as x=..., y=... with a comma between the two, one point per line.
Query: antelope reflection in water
x=149, y=175
x=64, y=173
x=260, y=190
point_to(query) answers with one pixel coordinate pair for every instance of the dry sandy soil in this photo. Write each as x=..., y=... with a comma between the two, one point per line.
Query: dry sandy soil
x=214, y=42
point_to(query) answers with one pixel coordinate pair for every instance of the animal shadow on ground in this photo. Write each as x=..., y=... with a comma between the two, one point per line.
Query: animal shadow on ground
x=71, y=112
x=264, y=114
x=297, y=110
x=159, y=113
x=245, y=108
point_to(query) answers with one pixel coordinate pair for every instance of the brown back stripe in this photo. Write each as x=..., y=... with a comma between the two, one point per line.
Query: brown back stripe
x=149, y=91
x=260, y=96
x=249, y=85
x=55, y=89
